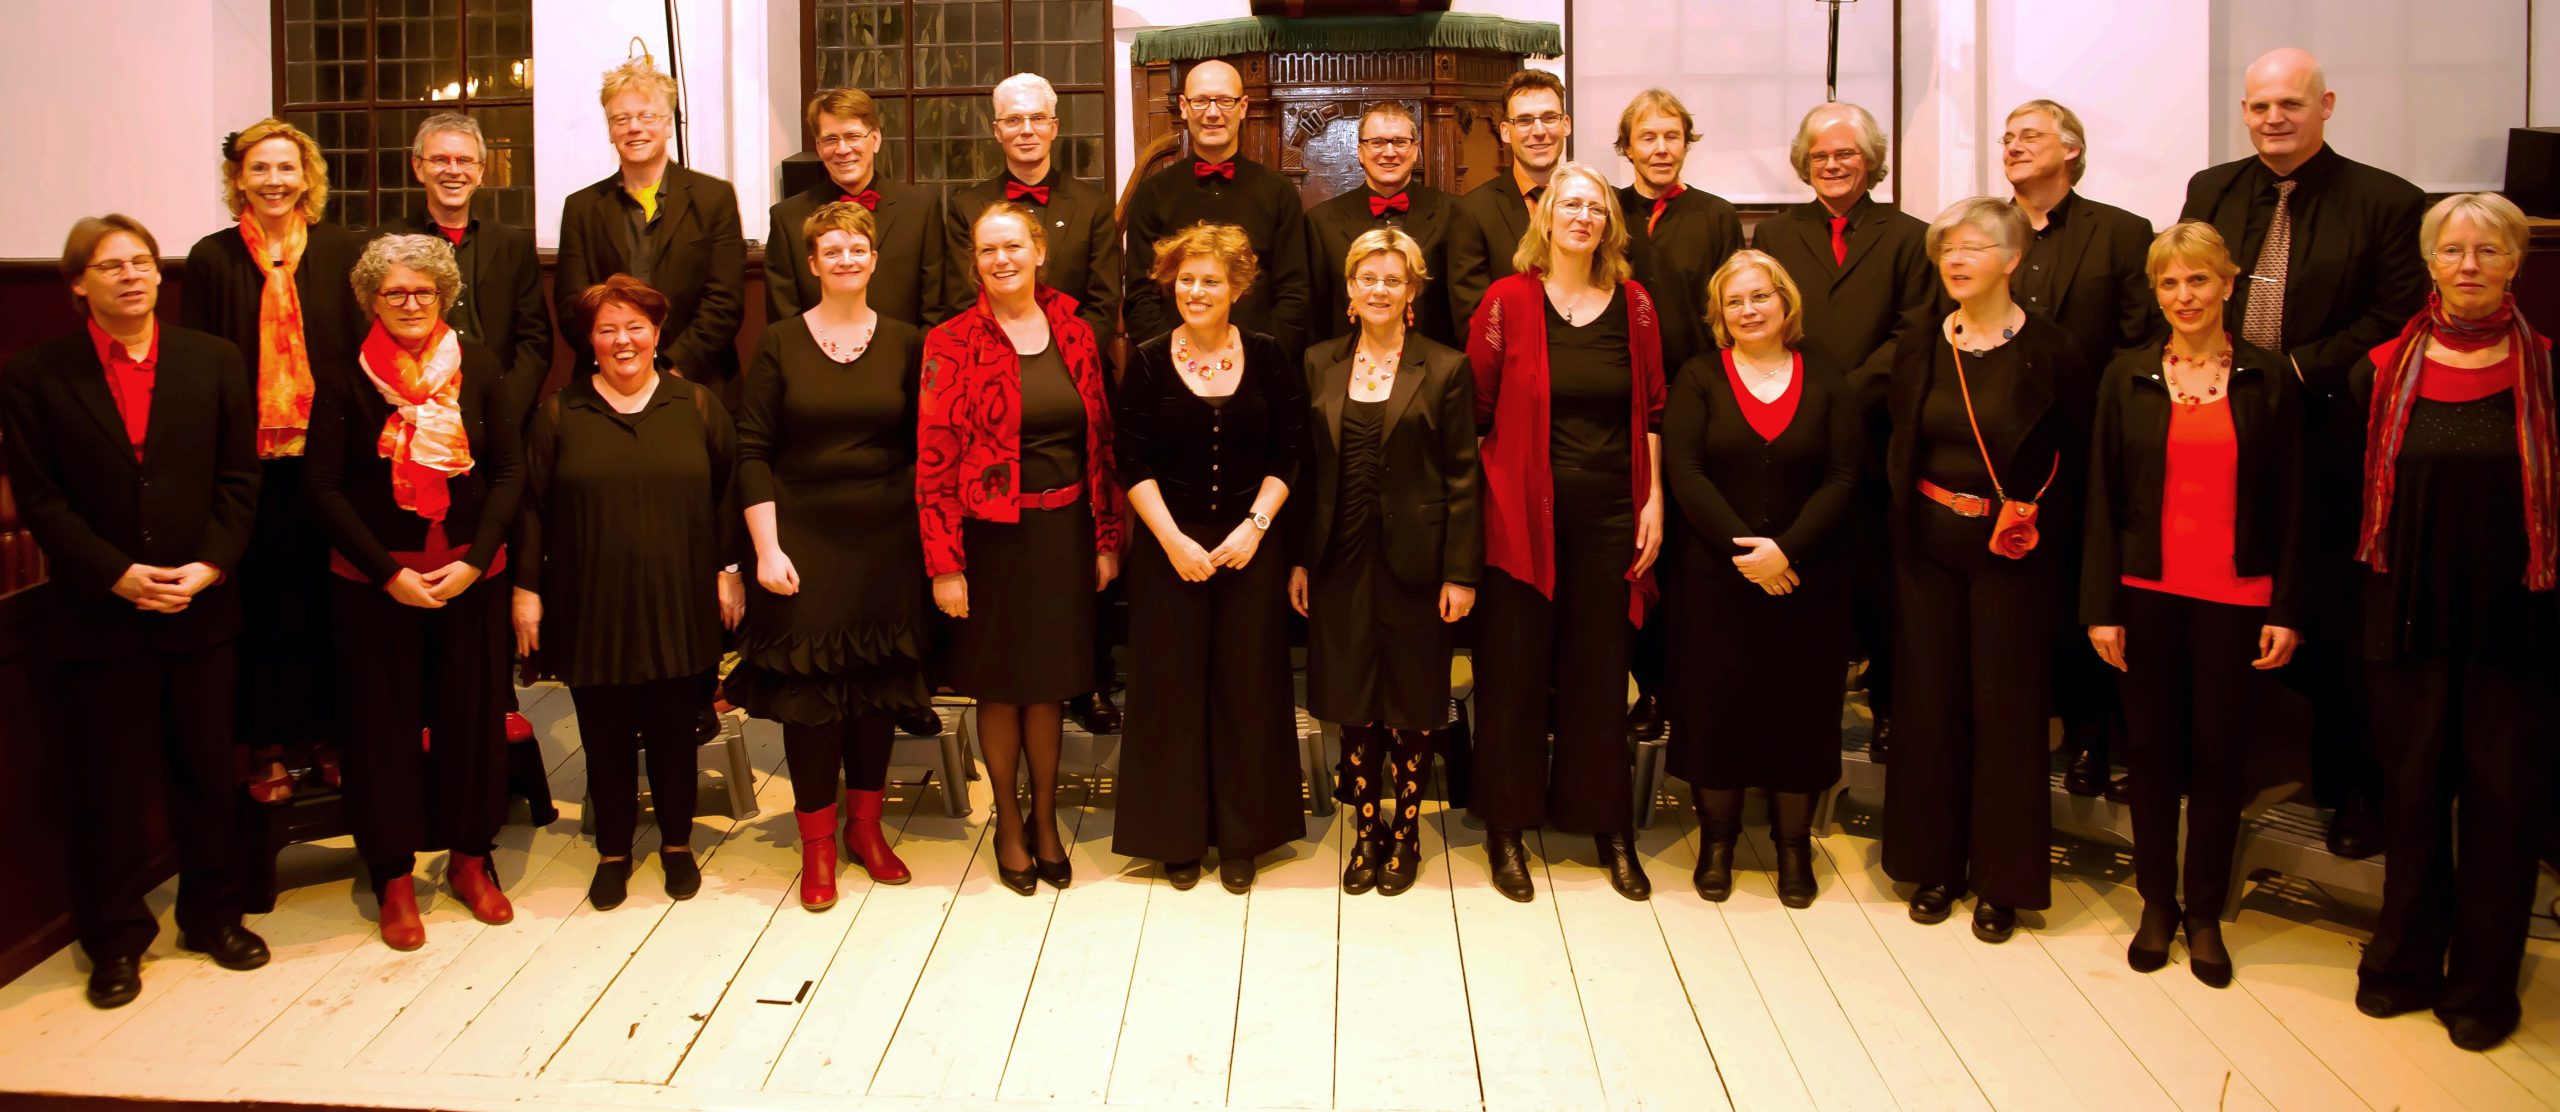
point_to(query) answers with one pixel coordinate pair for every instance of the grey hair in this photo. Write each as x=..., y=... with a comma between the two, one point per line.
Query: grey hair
x=1031, y=83
x=2006, y=222
x=448, y=121
x=2492, y=212
x=428, y=255
x=1870, y=139
x=2065, y=122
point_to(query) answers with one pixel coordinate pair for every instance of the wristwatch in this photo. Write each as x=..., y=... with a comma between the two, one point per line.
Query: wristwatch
x=1261, y=520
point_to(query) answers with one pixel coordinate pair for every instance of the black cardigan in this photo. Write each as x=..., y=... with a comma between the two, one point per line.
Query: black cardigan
x=95, y=511
x=350, y=481
x=1209, y=462
x=2128, y=466
x=1729, y=483
x=1429, y=484
x=2053, y=393
x=1674, y=260
x=224, y=287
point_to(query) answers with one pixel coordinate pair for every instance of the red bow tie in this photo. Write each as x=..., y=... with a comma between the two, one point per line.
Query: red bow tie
x=1380, y=206
x=1225, y=170
x=868, y=198
x=1015, y=191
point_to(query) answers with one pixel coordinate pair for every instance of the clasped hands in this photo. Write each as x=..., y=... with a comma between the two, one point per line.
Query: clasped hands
x=164, y=590
x=1765, y=566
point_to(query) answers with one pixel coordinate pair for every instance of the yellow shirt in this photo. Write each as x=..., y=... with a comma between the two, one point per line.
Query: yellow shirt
x=648, y=198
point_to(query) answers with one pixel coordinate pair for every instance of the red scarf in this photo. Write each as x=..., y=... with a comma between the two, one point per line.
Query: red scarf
x=423, y=438
x=2398, y=381
x=284, y=353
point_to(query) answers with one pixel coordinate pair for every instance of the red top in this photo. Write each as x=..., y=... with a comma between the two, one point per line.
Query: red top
x=454, y=234
x=1767, y=418
x=2199, y=497
x=129, y=381
x=438, y=551
x=2440, y=383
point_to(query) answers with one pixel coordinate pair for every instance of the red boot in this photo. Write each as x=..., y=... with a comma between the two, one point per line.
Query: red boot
x=478, y=886
x=862, y=839
x=817, y=858
x=519, y=728
x=401, y=929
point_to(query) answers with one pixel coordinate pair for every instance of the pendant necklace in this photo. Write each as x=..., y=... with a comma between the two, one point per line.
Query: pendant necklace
x=1373, y=375
x=848, y=352
x=1201, y=367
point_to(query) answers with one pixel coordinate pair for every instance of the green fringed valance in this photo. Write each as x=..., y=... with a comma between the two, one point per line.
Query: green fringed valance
x=1448, y=30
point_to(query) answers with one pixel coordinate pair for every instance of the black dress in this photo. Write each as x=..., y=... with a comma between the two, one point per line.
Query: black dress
x=832, y=446
x=1377, y=651
x=1028, y=637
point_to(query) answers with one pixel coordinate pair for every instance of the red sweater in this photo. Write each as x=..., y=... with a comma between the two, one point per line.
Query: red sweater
x=2199, y=500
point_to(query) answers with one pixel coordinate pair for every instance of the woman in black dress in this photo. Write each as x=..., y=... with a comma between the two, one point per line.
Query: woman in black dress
x=2461, y=630
x=1980, y=594
x=1014, y=386
x=275, y=284
x=833, y=645
x=1212, y=421
x=1386, y=548
x=624, y=575
x=1760, y=448
x=415, y=472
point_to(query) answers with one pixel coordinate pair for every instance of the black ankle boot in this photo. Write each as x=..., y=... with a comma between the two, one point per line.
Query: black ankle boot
x=1403, y=867
x=1361, y=874
x=1795, y=872
x=1510, y=864
x=1714, y=876
x=1626, y=872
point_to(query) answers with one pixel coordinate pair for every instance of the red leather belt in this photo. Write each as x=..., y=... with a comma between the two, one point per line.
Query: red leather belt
x=1057, y=499
x=1964, y=505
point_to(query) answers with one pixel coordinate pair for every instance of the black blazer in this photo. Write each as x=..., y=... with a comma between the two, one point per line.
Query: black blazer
x=1699, y=230
x=1261, y=201
x=699, y=261
x=2050, y=399
x=906, y=279
x=1728, y=482
x=2102, y=288
x=1430, y=485
x=224, y=286
x=501, y=307
x=1491, y=219
x=1851, y=310
x=1333, y=224
x=95, y=511
x=1164, y=432
x=350, y=481
x=1084, y=250
x=2128, y=467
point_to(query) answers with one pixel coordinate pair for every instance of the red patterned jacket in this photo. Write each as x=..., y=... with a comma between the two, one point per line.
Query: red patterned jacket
x=969, y=428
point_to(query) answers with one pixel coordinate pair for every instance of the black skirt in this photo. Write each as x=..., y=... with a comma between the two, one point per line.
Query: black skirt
x=1757, y=678
x=1377, y=651
x=1029, y=634
x=853, y=639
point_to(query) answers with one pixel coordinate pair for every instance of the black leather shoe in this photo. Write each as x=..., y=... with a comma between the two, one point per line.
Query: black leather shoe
x=1403, y=867
x=1095, y=712
x=2120, y=789
x=1056, y=874
x=2149, y=950
x=2087, y=778
x=1361, y=874
x=1626, y=871
x=114, y=982
x=920, y=722
x=612, y=884
x=2206, y=957
x=1644, y=720
x=1510, y=862
x=2383, y=1002
x=2355, y=832
x=706, y=725
x=2478, y=1033
x=231, y=946
x=1713, y=878
x=684, y=874
x=1932, y=903
x=1880, y=741
x=1795, y=875
x=1182, y=874
x=1235, y=873
x=1993, y=923
x=1024, y=881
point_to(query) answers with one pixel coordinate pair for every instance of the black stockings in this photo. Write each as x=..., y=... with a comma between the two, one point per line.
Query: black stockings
x=1370, y=755
x=1006, y=731
x=1720, y=815
x=859, y=746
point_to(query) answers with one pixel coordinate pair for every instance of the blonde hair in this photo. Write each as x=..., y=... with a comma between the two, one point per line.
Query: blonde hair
x=428, y=255
x=2006, y=222
x=1609, y=264
x=839, y=216
x=1862, y=125
x=2067, y=124
x=639, y=75
x=1654, y=102
x=2490, y=211
x=1790, y=329
x=843, y=104
x=315, y=166
x=1386, y=241
x=2193, y=243
x=1223, y=242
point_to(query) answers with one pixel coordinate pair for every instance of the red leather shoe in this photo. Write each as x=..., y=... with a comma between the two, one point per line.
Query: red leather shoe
x=325, y=758
x=863, y=841
x=274, y=787
x=519, y=728
x=817, y=858
x=401, y=929
x=477, y=884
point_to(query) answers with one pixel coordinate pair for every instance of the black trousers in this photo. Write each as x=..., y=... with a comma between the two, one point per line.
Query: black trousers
x=1871, y=608
x=2473, y=729
x=856, y=747
x=131, y=725
x=1568, y=654
x=2190, y=700
x=1966, y=804
x=617, y=724
x=288, y=672
x=1649, y=653
x=1209, y=747
x=442, y=672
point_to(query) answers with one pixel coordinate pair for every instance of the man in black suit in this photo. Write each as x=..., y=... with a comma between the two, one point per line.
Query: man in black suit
x=1217, y=185
x=908, y=283
x=2328, y=251
x=1390, y=148
x=1494, y=215
x=661, y=223
x=2085, y=270
x=1084, y=241
x=132, y=449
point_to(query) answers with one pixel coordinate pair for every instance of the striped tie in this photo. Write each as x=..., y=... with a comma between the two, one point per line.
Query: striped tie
x=2263, y=323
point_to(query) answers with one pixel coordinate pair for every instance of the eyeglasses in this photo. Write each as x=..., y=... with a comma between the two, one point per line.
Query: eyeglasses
x=1758, y=300
x=1380, y=144
x=1392, y=283
x=2028, y=136
x=118, y=268
x=644, y=119
x=1573, y=209
x=1968, y=250
x=1826, y=158
x=406, y=298
x=1017, y=123
x=1222, y=104
x=1542, y=119
x=842, y=140
x=452, y=162
x=2488, y=255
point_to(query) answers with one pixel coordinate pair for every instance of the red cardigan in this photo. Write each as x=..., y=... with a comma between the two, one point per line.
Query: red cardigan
x=1507, y=349
x=969, y=427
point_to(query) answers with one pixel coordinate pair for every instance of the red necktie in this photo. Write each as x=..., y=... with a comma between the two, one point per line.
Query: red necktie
x=1662, y=202
x=1015, y=191
x=1380, y=206
x=868, y=198
x=1225, y=170
x=1839, y=241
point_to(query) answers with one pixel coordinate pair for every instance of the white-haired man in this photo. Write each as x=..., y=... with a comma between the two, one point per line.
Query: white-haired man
x=1084, y=243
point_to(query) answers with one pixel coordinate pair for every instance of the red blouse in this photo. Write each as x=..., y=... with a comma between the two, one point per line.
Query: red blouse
x=129, y=381
x=1769, y=419
x=2199, y=499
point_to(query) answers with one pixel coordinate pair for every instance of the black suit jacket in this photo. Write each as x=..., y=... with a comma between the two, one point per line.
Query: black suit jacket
x=1333, y=224
x=350, y=481
x=95, y=511
x=224, y=286
x=2047, y=409
x=1727, y=482
x=1259, y=200
x=1429, y=488
x=699, y=262
x=1491, y=219
x=1084, y=249
x=1852, y=310
x=906, y=280
x=1673, y=261
x=501, y=307
x=2102, y=287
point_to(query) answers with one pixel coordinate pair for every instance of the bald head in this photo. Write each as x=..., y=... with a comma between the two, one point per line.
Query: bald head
x=1213, y=78
x=1213, y=109
x=2285, y=100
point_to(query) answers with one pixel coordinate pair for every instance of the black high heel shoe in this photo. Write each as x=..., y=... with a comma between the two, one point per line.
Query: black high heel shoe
x=2149, y=949
x=2206, y=956
x=1023, y=881
x=1057, y=874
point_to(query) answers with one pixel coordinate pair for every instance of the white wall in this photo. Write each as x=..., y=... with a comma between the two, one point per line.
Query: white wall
x=2128, y=72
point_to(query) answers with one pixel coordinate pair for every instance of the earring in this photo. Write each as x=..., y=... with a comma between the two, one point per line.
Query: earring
x=1408, y=314
x=1352, y=314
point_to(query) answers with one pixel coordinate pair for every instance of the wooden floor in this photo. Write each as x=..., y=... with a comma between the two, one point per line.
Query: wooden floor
x=951, y=991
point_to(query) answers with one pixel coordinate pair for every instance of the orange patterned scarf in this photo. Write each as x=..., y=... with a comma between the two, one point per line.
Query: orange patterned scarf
x=284, y=356
x=423, y=439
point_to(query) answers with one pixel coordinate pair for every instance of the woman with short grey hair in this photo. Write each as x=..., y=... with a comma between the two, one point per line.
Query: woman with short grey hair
x=414, y=472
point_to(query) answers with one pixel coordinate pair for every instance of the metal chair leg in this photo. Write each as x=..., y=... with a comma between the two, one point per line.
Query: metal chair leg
x=1311, y=753
x=957, y=770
